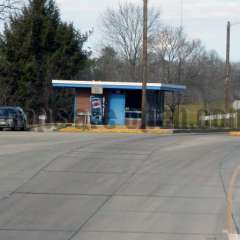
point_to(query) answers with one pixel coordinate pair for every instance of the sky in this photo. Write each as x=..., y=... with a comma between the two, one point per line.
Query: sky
x=203, y=19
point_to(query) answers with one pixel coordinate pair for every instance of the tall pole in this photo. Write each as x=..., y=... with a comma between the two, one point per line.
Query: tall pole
x=228, y=77
x=144, y=62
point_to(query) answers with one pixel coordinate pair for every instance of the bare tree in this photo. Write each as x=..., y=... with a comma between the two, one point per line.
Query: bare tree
x=107, y=65
x=172, y=50
x=122, y=27
x=178, y=59
x=206, y=74
x=6, y=7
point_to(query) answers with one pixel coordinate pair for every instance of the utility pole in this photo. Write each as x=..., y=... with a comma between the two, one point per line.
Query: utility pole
x=228, y=77
x=144, y=62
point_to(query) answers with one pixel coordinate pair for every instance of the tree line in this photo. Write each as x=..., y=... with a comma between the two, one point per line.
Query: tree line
x=173, y=57
x=36, y=46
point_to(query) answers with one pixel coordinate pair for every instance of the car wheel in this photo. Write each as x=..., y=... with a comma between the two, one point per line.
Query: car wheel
x=24, y=127
x=1, y=129
x=14, y=128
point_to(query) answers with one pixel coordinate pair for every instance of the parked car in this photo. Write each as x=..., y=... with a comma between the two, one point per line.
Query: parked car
x=13, y=118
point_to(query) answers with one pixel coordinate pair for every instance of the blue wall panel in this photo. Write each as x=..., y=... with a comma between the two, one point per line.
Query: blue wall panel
x=116, y=109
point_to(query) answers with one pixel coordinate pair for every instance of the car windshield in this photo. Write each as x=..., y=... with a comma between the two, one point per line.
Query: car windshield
x=4, y=112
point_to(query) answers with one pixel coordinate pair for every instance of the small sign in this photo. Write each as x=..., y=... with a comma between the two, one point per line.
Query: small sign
x=42, y=117
x=236, y=105
x=97, y=90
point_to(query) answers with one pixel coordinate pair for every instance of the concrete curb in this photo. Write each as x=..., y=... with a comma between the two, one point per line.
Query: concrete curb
x=204, y=131
x=43, y=128
x=235, y=133
x=116, y=130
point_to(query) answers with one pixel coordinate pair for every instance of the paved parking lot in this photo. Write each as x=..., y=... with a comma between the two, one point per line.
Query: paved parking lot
x=114, y=187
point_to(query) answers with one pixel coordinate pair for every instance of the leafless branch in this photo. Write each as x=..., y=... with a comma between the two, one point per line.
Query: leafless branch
x=122, y=27
x=8, y=6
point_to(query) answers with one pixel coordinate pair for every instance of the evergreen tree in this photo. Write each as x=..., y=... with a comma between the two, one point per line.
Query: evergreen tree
x=35, y=48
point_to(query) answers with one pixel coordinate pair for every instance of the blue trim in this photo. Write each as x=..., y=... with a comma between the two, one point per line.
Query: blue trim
x=123, y=87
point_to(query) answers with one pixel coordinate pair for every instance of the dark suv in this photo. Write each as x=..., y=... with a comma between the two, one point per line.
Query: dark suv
x=13, y=118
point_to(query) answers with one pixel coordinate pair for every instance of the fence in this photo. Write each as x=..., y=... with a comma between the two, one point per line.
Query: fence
x=222, y=120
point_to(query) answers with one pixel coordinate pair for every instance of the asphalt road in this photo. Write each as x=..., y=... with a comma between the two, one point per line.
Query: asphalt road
x=115, y=187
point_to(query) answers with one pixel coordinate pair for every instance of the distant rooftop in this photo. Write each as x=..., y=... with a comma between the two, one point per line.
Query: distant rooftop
x=117, y=85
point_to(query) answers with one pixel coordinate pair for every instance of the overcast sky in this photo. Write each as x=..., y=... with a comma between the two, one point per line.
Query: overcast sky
x=204, y=19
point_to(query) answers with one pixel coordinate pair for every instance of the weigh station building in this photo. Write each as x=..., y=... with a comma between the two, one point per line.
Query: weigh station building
x=117, y=103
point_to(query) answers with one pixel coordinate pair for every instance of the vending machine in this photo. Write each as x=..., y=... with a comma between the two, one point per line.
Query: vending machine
x=97, y=110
